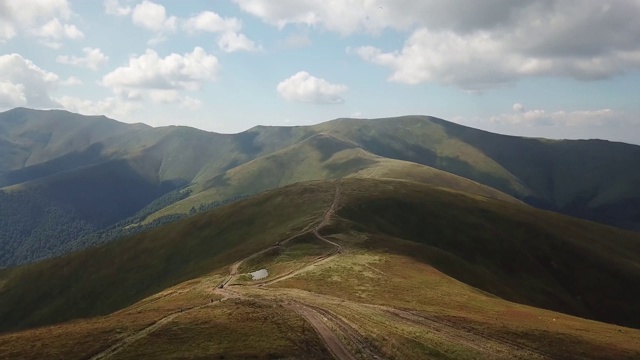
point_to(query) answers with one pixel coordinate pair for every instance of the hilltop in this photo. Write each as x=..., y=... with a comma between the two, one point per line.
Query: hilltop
x=396, y=269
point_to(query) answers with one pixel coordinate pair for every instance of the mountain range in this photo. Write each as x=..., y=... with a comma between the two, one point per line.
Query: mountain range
x=408, y=237
x=73, y=175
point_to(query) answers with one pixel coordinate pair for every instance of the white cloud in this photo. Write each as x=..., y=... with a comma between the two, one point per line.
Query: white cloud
x=373, y=16
x=45, y=19
x=54, y=29
x=113, y=7
x=163, y=96
x=93, y=59
x=152, y=16
x=11, y=95
x=303, y=87
x=162, y=79
x=190, y=103
x=209, y=21
x=541, y=117
x=232, y=42
x=342, y=16
x=479, y=44
x=18, y=16
x=113, y=107
x=484, y=59
x=71, y=81
x=518, y=107
x=25, y=84
x=230, y=39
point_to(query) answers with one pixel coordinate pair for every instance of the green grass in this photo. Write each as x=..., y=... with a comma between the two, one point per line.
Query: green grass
x=318, y=157
x=68, y=157
x=514, y=251
x=452, y=258
x=234, y=329
x=103, y=279
x=291, y=256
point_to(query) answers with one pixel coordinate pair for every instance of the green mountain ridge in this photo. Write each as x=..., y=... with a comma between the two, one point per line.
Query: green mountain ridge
x=402, y=244
x=55, y=152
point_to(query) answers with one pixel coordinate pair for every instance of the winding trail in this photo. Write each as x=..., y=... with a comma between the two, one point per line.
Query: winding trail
x=233, y=269
x=340, y=337
x=318, y=318
x=119, y=346
x=330, y=339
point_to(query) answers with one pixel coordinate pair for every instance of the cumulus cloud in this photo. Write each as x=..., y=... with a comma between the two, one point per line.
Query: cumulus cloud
x=11, y=95
x=54, y=29
x=541, y=117
x=114, y=107
x=347, y=17
x=209, y=21
x=190, y=103
x=517, y=107
x=149, y=71
x=71, y=81
x=232, y=42
x=113, y=7
x=93, y=59
x=25, y=84
x=161, y=80
x=152, y=16
x=46, y=19
x=480, y=44
x=230, y=38
x=303, y=87
x=484, y=59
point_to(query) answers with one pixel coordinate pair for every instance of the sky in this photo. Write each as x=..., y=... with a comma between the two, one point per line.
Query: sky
x=541, y=68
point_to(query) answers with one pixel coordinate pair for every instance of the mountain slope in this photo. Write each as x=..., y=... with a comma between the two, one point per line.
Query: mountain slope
x=389, y=285
x=52, y=153
x=512, y=250
x=33, y=137
x=591, y=179
x=315, y=158
x=145, y=264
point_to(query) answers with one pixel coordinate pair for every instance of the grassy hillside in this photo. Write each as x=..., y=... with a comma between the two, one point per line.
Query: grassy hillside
x=315, y=158
x=514, y=251
x=33, y=137
x=511, y=250
x=105, y=171
x=591, y=179
x=101, y=280
x=98, y=172
x=422, y=273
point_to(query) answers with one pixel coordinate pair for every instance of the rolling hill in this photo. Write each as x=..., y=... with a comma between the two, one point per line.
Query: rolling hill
x=395, y=268
x=100, y=172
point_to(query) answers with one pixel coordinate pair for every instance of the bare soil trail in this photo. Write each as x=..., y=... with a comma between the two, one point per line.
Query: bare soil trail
x=331, y=340
x=340, y=337
x=233, y=269
x=495, y=347
x=119, y=346
x=492, y=346
x=318, y=318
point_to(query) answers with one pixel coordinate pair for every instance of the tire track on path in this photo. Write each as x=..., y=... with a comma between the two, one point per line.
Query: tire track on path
x=318, y=318
x=119, y=346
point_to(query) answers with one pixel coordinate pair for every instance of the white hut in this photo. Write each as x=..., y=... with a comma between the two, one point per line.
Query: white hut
x=259, y=275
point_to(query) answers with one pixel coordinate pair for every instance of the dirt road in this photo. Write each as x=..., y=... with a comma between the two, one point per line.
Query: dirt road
x=314, y=316
x=331, y=340
x=119, y=346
